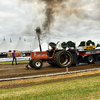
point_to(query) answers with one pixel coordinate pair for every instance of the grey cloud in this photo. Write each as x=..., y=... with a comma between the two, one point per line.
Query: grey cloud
x=65, y=19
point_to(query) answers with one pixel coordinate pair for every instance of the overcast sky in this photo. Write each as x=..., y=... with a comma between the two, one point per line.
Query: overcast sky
x=75, y=20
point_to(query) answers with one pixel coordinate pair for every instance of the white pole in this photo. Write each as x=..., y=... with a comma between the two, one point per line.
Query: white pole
x=66, y=70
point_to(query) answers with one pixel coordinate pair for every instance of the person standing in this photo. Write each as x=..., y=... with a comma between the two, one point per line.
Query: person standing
x=76, y=54
x=14, y=57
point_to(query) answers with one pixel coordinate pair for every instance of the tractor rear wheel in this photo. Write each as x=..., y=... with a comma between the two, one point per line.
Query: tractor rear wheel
x=37, y=63
x=63, y=59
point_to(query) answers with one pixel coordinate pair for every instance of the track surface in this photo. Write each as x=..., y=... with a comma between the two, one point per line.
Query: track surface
x=11, y=71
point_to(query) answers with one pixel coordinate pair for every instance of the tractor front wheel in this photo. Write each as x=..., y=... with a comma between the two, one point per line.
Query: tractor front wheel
x=37, y=63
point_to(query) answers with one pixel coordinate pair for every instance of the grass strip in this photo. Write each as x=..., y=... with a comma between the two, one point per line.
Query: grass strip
x=46, y=79
x=10, y=62
x=80, y=89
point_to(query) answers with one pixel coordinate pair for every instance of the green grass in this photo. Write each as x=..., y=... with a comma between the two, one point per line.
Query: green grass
x=10, y=62
x=80, y=89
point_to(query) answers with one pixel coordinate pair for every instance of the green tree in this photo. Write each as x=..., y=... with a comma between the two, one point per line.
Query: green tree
x=90, y=42
x=82, y=43
x=64, y=45
x=70, y=44
x=98, y=45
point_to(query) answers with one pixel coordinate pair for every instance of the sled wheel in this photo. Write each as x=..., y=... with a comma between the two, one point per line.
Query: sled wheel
x=90, y=59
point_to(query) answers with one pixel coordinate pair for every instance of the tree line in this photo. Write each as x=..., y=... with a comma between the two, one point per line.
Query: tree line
x=72, y=44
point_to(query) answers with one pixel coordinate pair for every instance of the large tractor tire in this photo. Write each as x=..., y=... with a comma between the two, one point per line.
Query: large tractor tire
x=63, y=59
x=90, y=59
x=36, y=63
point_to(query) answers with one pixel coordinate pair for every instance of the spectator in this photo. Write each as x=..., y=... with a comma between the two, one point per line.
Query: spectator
x=14, y=57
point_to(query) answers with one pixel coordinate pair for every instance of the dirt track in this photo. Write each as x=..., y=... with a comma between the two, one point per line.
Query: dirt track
x=9, y=71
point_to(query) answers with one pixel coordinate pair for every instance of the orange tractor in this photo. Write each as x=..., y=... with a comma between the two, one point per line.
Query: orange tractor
x=59, y=57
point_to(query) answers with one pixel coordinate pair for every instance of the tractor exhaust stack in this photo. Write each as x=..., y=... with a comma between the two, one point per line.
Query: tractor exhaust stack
x=38, y=32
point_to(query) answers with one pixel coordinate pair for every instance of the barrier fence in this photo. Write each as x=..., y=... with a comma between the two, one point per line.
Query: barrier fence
x=10, y=59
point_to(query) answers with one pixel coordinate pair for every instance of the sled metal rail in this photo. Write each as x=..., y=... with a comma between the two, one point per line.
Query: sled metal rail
x=52, y=74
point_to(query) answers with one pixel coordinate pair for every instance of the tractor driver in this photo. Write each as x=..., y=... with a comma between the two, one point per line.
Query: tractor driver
x=52, y=49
